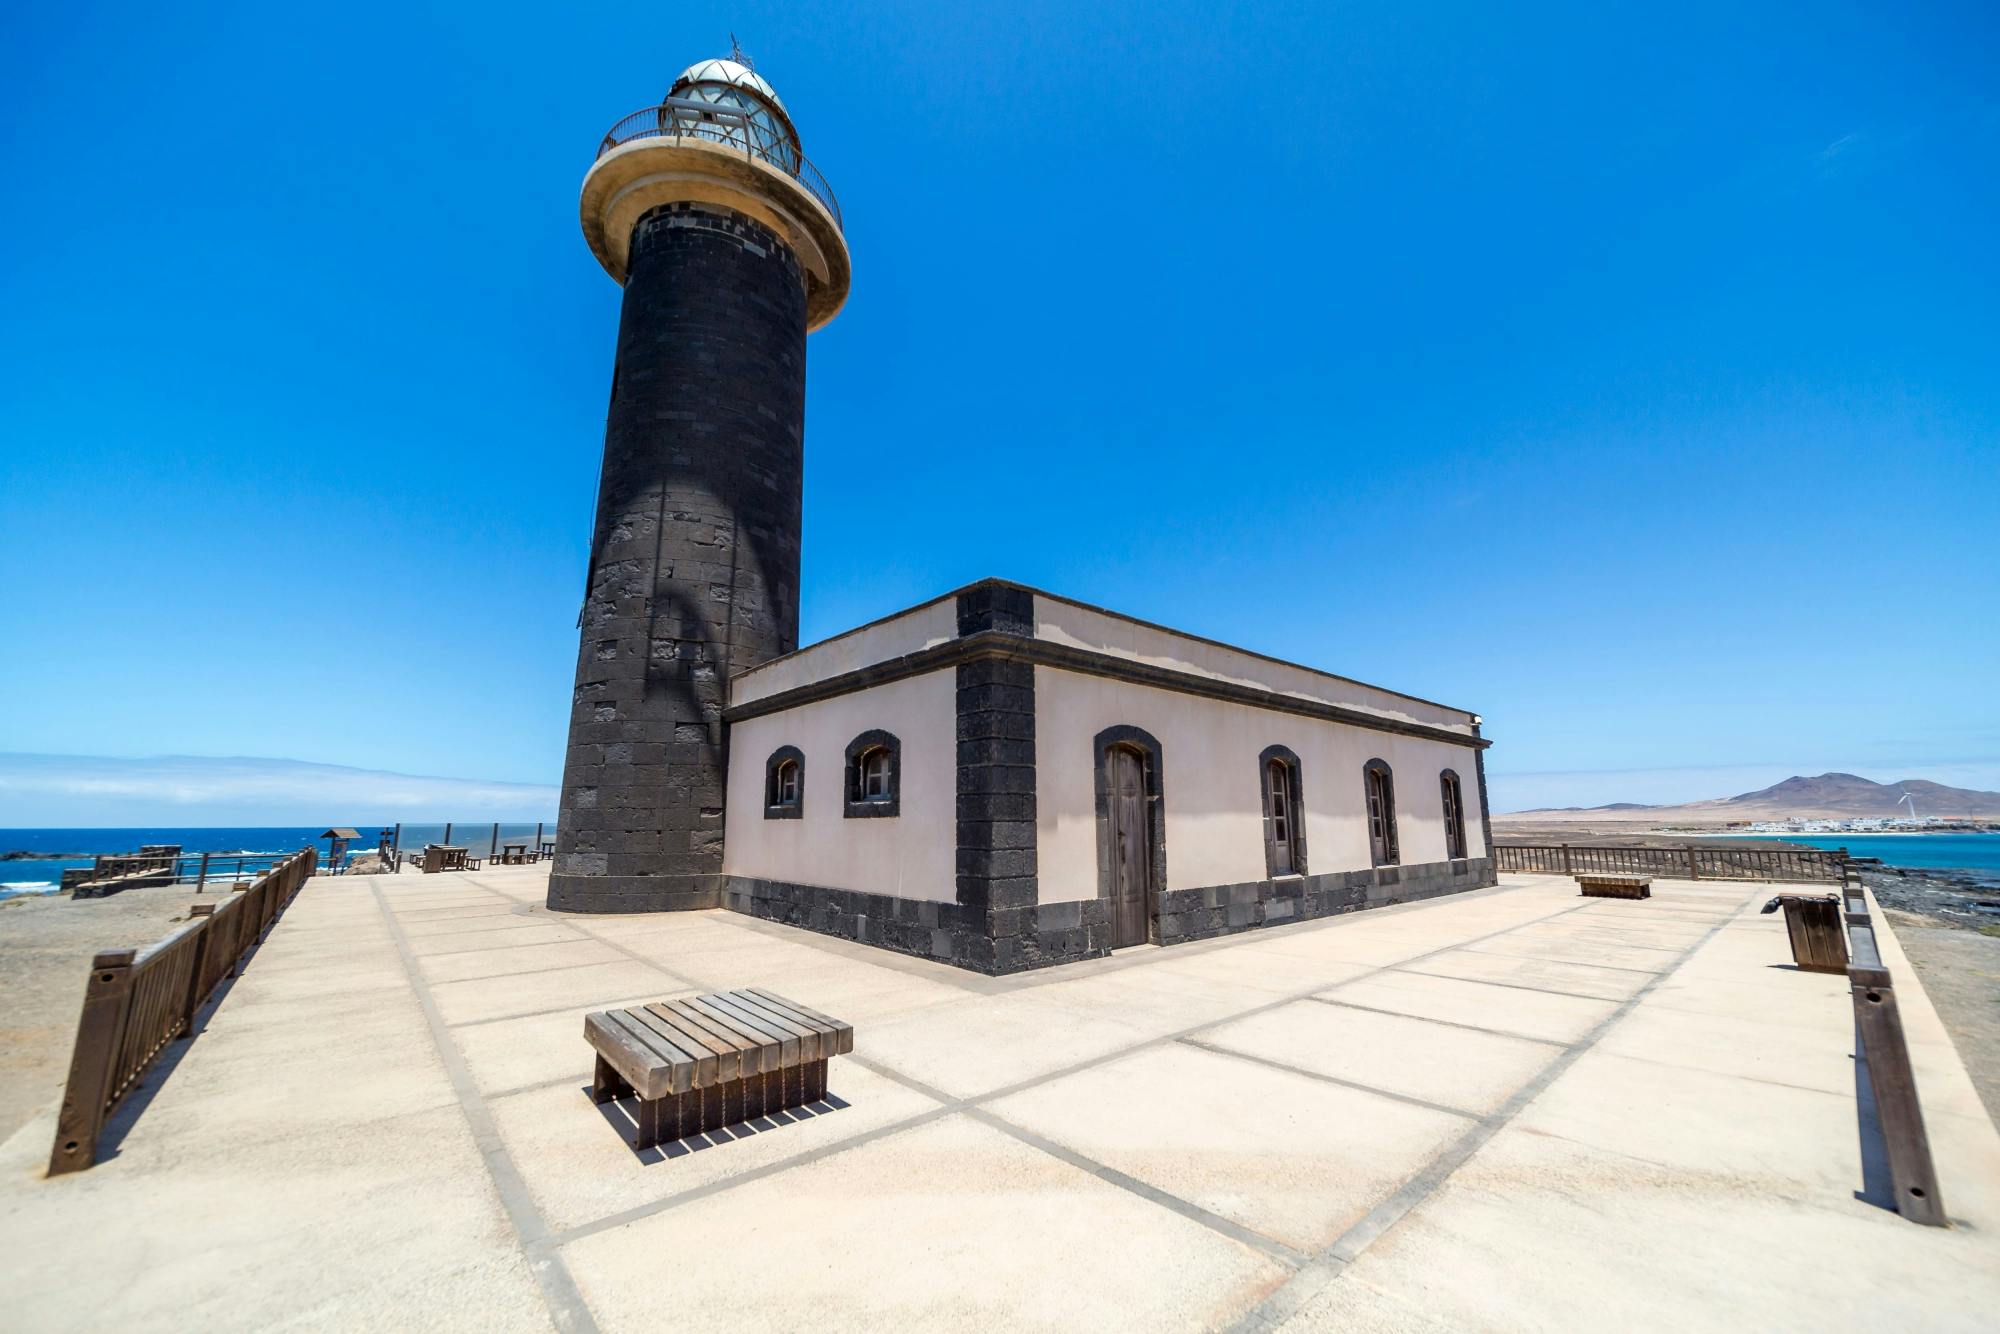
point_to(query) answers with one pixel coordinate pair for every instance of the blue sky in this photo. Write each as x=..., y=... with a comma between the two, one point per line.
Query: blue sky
x=1632, y=378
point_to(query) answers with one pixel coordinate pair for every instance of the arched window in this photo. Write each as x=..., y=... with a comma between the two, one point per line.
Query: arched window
x=874, y=775
x=1454, y=814
x=1284, y=813
x=1380, y=788
x=785, y=784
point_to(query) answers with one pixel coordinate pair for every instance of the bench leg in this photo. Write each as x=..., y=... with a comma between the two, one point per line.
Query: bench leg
x=815, y=1081
x=729, y=1096
x=656, y=1122
x=685, y=1117
x=607, y=1084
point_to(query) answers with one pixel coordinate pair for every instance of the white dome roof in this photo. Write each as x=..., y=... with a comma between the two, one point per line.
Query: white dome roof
x=728, y=71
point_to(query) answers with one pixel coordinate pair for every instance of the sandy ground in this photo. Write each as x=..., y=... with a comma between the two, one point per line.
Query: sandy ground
x=1961, y=971
x=46, y=943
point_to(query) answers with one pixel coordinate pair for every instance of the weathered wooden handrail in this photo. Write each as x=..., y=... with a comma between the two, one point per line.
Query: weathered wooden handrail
x=1886, y=1053
x=138, y=1001
x=1693, y=861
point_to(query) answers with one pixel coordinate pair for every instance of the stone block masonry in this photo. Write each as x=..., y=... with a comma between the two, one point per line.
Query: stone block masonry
x=694, y=567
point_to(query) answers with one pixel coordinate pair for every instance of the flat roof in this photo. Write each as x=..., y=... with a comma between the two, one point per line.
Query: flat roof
x=994, y=582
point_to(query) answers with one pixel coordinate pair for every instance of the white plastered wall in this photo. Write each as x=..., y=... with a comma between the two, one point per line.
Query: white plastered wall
x=1077, y=626
x=912, y=855
x=1214, y=797
x=906, y=632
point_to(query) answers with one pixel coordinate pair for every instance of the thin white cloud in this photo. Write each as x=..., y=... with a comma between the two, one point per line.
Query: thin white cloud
x=79, y=791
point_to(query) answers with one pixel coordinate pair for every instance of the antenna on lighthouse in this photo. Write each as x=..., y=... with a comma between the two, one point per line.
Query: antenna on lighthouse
x=736, y=53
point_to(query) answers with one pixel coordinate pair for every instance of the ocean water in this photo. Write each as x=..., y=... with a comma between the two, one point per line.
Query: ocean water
x=1975, y=854
x=82, y=845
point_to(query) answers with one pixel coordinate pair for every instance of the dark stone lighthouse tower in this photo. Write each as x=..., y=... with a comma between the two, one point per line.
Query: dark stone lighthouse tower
x=729, y=247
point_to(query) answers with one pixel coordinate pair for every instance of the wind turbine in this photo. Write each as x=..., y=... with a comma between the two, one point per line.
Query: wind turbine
x=1913, y=806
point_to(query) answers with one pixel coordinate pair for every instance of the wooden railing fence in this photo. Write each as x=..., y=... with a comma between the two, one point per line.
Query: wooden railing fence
x=140, y=1000
x=1693, y=862
x=1886, y=1052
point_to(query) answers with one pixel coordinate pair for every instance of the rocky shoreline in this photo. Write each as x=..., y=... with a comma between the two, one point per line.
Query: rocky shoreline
x=1959, y=898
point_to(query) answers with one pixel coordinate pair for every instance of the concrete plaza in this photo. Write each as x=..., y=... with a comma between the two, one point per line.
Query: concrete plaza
x=1512, y=1109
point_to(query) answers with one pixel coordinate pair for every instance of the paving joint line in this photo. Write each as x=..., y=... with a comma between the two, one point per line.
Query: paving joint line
x=1294, y=1294
x=522, y=925
x=1290, y=1256
x=1336, y=1080
x=1573, y=963
x=1511, y=986
x=957, y=1104
x=517, y=972
x=1444, y=1023
x=560, y=1294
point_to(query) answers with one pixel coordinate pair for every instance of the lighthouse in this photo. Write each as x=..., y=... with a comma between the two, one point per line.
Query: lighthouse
x=728, y=244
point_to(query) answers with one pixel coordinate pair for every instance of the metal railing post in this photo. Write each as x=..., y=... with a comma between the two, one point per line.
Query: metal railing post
x=1885, y=1050
x=99, y=1033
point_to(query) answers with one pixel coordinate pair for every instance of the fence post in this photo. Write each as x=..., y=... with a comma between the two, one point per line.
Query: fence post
x=447, y=833
x=396, y=851
x=201, y=881
x=107, y=1002
x=201, y=952
x=493, y=845
x=1566, y=868
x=1694, y=863
x=246, y=931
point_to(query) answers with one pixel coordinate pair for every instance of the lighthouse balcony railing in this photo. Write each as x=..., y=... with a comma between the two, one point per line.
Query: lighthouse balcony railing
x=754, y=137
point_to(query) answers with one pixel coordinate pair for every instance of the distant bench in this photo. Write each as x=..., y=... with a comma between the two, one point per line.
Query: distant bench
x=711, y=1061
x=1603, y=885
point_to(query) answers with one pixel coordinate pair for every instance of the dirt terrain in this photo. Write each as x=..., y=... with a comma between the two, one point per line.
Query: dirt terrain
x=46, y=943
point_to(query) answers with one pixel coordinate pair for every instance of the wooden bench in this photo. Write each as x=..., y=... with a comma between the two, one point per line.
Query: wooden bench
x=1604, y=885
x=711, y=1061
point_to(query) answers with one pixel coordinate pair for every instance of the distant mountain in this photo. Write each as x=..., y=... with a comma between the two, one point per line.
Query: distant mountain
x=1833, y=796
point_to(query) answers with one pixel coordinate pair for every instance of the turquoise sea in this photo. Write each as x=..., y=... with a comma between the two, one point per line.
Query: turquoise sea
x=1975, y=854
x=43, y=875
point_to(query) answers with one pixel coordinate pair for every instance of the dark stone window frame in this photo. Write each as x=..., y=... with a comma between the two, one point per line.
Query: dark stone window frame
x=855, y=807
x=773, y=808
x=1148, y=746
x=1295, y=816
x=1383, y=851
x=1452, y=793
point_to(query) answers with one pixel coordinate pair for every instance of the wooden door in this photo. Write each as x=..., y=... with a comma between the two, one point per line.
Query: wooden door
x=1131, y=850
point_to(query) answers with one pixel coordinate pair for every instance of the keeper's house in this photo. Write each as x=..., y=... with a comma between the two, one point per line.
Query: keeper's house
x=1004, y=779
